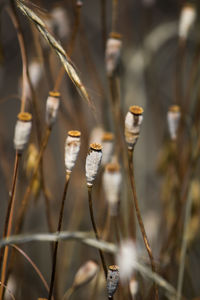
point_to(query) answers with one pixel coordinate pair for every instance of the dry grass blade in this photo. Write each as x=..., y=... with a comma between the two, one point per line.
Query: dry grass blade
x=58, y=49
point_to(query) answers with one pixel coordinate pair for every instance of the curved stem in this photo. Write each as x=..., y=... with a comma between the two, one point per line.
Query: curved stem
x=56, y=243
x=9, y=219
x=139, y=217
x=95, y=229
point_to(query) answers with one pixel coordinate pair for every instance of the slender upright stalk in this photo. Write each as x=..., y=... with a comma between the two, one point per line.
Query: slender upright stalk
x=9, y=220
x=95, y=229
x=114, y=15
x=139, y=217
x=184, y=246
x=58, y=231
x=22, y=211
x=103, y=23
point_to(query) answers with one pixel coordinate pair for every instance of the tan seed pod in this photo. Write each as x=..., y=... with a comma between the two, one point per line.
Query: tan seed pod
x=112, y=280
x=107, y=144
x=113, y=53
x=86, y=273
x=133, y=123
x=22, y=131
x=187, y=18
x=72, y=148
x=173, y=119
x=112, y=180
x=93, y=161
x=52, y=106
x=133, y=285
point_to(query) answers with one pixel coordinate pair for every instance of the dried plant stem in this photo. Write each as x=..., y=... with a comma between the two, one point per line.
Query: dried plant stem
x=139, y=217
x=16, y=23
x=95, y=229
x=68, y=293
x=56, y=243
x=9, y=220
x=114, y=15
x=24, y=204
x=184, y=246
x=103, y=23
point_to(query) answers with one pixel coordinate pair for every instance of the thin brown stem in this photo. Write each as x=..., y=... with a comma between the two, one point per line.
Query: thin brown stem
x=114, y=15
x=139, y=217
x=95, y=230
x=9, y=220
x=103, y=23
x=14, y=17
x=24, y=204
x=56, y=243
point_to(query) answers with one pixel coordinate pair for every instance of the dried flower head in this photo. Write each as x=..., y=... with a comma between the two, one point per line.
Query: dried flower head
x=126, y=258
x=112, y=280
x=72, y=147
x=133, y=285
x=22, y=131
x=133, y=122
x=113, y=53
x=112, y=180
x=173, y=118
x=52, y=106
x=107, y=144
x=85, y=273
x=187, y=19
x=35, y=73
x=93, y=161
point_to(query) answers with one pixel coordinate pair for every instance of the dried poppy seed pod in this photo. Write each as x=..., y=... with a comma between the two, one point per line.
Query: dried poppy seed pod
x=133, y=285
x=72, y=147
x=107, y=144
x=22, y=131
x=60, y=23
x=173, y=118
x=112, y=180
x=35, y=73
x=187, y=19
x=112, y=280
x=93, y=161
x=113, y=53
x=133, y=122
x=52, y=105
x=86, y=273
x=126, y=257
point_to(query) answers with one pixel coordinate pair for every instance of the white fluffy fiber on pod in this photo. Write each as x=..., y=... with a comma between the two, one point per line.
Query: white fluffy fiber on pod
x=112, y=280
x=173, y=119
x=52, y=106
x=85, y=273
x=112, y=180
x=93, y=161
x=133, y=121
x=113, y=53
x=107, y=144
x=126, y=258
x=72, y=148
x=22, y=131
x=187, y=19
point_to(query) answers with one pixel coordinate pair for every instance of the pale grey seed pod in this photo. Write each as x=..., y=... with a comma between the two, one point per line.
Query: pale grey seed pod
x=35, y=73
x=173, y=119
x=107, y=144
x=85, y=273
x=126, y=258
x=112, y=280
x=72, y=148
x=60, y=22
x=113, y=53
x=22, y=131
x=133, y=123
x=187, y=18
x=112, y=180
x=96, y=135
x=93, y=161
x=52, y=106
x=133, y=285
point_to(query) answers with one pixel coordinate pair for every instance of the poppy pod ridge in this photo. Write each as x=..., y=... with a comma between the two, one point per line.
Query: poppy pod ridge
x=22, y=131
x=72, y=148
